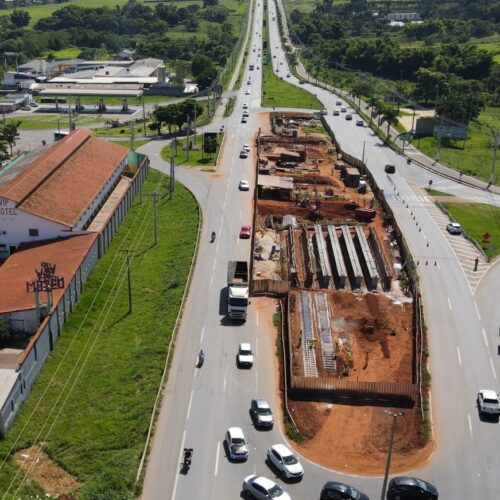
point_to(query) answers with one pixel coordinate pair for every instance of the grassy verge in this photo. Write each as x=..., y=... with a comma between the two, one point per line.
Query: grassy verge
x=196, y=156
x=435, y=192
x=42, y=121
x=473, y=156
x=128, y=144
x=477, y=219
x=279, y=93
x=100, y=429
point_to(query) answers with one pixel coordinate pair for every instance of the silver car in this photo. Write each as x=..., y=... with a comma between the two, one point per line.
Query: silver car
x=262, y=414
x=285, y=461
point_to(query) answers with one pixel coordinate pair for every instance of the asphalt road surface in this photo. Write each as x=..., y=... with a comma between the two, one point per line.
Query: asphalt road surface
x=200, y=404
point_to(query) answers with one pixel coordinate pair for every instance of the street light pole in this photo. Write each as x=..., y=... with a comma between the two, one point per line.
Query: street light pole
x=389, y=453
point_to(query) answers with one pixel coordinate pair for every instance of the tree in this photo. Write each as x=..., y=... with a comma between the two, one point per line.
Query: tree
x=20, y=18
x=373, y=102
x=427, y=84
x=199, y=64
x=9, y=133
x=210, y=3
x=389, y=115
x=462, y=100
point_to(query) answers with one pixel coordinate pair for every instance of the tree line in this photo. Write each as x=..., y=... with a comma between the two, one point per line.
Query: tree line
x=135, y=25
x=458, y=77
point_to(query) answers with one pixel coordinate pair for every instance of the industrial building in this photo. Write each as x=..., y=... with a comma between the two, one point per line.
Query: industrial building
x=51, y=192
x=59, y=209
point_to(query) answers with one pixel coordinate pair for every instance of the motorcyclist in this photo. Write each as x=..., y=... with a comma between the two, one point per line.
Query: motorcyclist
x=201, y=356
x=213, y=235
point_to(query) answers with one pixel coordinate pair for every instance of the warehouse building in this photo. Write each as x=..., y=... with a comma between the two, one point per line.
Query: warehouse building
x=51, y=192
x=59, y=209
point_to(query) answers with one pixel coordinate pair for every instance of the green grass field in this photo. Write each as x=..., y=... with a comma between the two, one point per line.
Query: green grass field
x=196, y=156
x=279, y=93
x=128, y=144
x=476, y=220
x=41, y=121
x=475, y=158
x=99, y=427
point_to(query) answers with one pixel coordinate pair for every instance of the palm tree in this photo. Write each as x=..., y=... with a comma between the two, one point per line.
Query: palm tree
x=373, y=102
x=389, y=116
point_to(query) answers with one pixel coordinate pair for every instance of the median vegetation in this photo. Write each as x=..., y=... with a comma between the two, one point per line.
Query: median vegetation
x=90, y=407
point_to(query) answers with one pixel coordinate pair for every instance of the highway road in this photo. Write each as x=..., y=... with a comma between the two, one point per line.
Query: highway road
x=200, y=404
x=463, y=343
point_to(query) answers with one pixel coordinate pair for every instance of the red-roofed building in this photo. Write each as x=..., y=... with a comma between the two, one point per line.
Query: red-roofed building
x=54, y=191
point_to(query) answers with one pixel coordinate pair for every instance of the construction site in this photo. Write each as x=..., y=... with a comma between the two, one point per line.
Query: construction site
x=325, y=245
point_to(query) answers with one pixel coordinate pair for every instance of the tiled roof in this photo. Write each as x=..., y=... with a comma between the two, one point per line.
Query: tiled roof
x=60, y=184
x=67, y=255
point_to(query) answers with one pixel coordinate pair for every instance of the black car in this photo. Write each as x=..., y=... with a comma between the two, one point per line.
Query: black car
x=340, y=491
x=411, y=488
x=390, y=169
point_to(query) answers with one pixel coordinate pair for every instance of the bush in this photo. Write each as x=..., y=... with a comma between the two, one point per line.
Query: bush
x=5, y=333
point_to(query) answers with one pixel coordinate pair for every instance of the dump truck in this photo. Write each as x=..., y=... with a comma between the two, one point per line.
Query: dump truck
x=238, y=289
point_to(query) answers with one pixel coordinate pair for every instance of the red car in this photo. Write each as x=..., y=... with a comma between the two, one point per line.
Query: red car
x=245, y=232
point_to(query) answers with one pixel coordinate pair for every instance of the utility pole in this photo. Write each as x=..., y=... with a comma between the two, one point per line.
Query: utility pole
x=389, y=454
x=132, y=135
x=172, y=173
x=187, y=137
x=129, y=281
x=155, y=195
x=495, y=134
x=194, y=125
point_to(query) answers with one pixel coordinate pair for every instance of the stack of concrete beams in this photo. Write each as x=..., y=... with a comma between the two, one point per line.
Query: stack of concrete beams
x=366, y=259
x=309, y=268
x=325, y=335
x=294, y=278
x=336, y=257
x=354, y=270
x=310, y=368
x=325, y=272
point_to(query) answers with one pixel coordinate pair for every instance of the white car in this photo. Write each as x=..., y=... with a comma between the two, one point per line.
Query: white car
x=244, y=185
x=245, y=106
x=262, y=488
x=454, y=228
x=236, y=444
x=343, y=109
x=243, y=153
x=246, y=147
x=247, y=92
x=488, y=403
x=246, y=113
x=285, y=461
x=243, y=119
x=245, y=355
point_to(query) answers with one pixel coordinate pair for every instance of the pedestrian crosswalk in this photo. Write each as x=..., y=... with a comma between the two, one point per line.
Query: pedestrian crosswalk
x=465, y=251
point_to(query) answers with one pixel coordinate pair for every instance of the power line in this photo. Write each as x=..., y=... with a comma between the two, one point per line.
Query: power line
x=145, y=206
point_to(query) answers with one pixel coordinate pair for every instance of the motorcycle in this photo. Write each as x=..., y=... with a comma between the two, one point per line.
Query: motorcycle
x=186, y=464
x=212, y=237
x=201, y=359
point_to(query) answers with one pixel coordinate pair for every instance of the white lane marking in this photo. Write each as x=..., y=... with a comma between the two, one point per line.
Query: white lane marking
x=217, y=247
x=449, y=303
x=459, y=357
x=470, y=424
x=477, y=310
x=437, y=265
x=493, y=369
x=423, y=235
x=225, y=381
x=189, y=405
x=201, y=336
x=213, y=266
x=180, y=455
x=257, y=319
x=241, y=214
x=484, y=337
x=211, y=281
x=217, y=453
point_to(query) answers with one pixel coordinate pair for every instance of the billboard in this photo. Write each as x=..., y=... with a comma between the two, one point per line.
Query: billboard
x=451, y=132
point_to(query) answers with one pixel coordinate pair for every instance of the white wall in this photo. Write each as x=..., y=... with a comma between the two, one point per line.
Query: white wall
x=15, y=225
